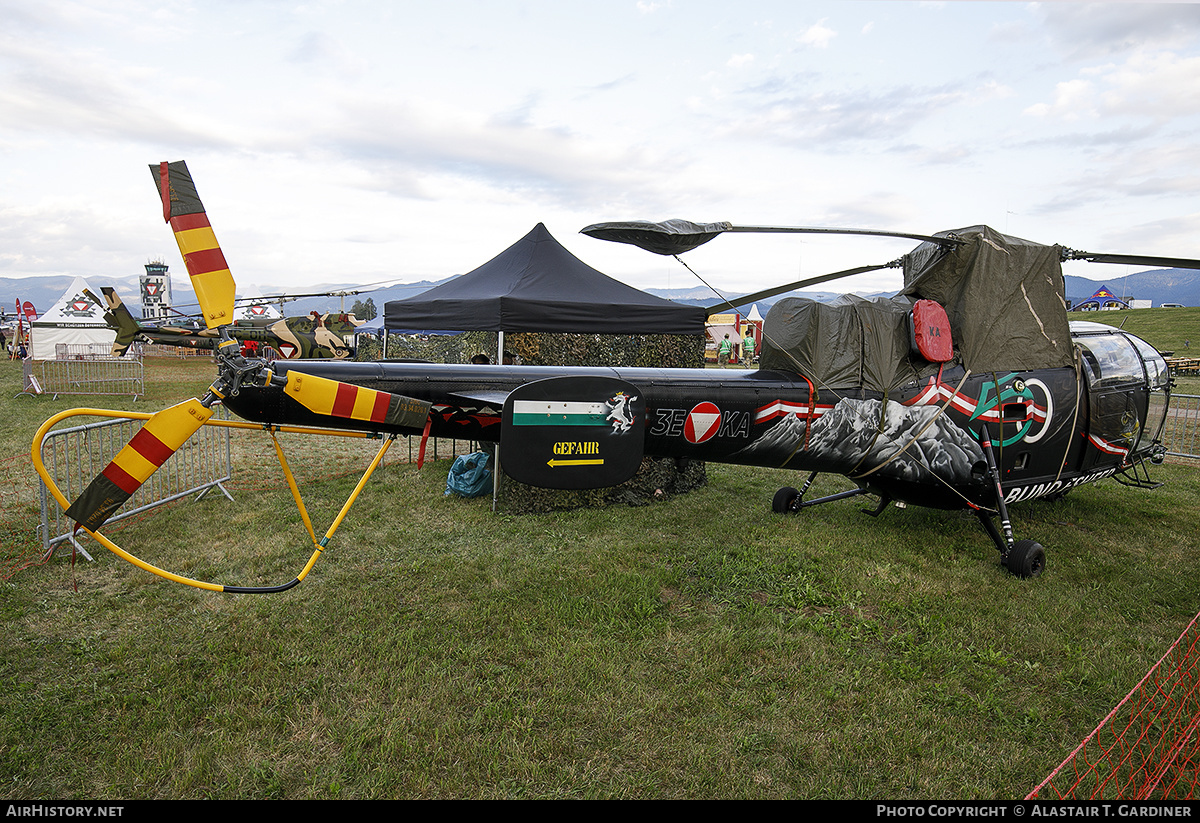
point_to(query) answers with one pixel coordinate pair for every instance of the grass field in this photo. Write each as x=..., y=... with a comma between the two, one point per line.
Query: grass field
x=1168, y=330
x=697, y=647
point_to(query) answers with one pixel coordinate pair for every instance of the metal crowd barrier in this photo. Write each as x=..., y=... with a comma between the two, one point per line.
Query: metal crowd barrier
x=82, y=351
x=1181, y=434
x=73, y=456
x=161, y=350
x=100, y=375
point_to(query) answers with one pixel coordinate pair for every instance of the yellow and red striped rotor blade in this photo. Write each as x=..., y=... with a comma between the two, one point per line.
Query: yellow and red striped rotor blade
x=210, y=275
x=159, y=438
x=336, y=399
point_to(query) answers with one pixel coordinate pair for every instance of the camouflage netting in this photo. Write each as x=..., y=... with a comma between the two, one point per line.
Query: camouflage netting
x=539, y=349
x=657, y=478
x=434, y=348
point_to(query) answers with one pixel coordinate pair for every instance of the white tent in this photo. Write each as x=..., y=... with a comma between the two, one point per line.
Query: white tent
x=74, y=320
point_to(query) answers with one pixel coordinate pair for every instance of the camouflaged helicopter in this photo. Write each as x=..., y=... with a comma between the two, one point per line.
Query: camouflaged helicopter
x=969, y=389
x=314, y=336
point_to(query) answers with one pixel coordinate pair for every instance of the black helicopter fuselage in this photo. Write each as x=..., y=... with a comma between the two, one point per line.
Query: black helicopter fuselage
x=1049, y=429
x=968, y=389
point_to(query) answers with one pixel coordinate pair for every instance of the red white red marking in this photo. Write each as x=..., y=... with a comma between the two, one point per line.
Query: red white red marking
x=703, y=421
x=1106, y=447
x=782, y=408
x=936, y=393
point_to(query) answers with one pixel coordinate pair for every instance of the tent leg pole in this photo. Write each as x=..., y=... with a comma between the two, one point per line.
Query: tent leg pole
x=496, y=458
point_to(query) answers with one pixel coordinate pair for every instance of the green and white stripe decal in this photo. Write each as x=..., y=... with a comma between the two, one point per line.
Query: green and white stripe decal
x=558, y=413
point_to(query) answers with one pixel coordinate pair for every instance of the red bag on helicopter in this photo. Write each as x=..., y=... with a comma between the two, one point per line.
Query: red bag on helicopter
x=931, y=332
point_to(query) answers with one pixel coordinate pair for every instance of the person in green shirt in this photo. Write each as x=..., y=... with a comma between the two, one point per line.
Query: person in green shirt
x=748, y=349
x=724, y=349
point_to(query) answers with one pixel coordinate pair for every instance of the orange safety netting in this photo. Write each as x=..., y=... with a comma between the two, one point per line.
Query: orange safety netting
x=1149, y=745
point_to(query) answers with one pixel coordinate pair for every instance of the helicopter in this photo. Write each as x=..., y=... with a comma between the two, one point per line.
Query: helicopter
x=968, y=390
x=311, y=336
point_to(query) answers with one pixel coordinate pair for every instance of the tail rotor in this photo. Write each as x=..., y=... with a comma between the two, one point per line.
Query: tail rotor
x=168, y=430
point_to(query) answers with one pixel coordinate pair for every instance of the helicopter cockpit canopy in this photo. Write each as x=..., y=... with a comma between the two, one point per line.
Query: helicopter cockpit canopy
x=1113, y=357
x=1127, y=382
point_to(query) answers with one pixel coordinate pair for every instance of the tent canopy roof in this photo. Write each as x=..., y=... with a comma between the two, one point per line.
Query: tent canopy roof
x=1102, y=297
x=536, y=285
x=74, y=320
x=74, y=308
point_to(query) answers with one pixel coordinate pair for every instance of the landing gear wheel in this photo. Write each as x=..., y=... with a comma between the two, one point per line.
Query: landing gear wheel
x=784, y=500
x=1026, y=559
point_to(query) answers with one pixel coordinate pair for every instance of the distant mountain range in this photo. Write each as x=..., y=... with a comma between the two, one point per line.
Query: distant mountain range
x=1159, y=286
x=44, y=292
x=704, y=297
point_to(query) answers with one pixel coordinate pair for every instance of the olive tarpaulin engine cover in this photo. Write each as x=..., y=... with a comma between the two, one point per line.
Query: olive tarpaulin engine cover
x=1003, y=297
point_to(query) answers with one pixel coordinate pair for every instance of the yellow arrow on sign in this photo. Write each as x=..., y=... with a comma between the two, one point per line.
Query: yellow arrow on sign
x=556, y=463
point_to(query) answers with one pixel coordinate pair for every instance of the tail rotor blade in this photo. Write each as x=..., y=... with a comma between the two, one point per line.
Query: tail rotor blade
x=210, y=275
x=336, y=399
x=158, y=439
x=118, y=319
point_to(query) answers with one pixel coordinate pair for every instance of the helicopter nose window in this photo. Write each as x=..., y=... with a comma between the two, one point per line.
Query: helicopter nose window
x=1156, y=366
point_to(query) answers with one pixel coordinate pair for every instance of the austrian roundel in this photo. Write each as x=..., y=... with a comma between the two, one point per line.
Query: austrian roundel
x=703, y=421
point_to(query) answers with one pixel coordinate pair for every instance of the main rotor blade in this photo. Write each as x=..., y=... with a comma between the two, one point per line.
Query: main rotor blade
x=668, y=237
x=926, y=238
x=159, y=438
x=733, y=302
x=679, y=236
x=210, y=275
x=1132, y=259
x=321, y=395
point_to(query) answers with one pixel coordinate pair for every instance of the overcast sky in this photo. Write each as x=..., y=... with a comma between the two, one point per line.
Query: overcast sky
x=357, y=142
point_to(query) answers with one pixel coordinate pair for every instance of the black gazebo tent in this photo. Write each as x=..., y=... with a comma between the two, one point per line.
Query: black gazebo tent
x=536, y=285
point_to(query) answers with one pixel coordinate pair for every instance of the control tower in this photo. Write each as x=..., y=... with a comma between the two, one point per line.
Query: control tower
x=156, y=291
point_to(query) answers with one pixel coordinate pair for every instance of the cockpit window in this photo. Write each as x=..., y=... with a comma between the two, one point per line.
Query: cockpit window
x=1156, y=366
x=1110, y=359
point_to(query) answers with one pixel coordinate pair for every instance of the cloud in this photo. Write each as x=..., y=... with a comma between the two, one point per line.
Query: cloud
x=59, y=238
x=1166, y=236
x=646, y=7
x=817, y=35
x=85, y=95
x=1160, y=176
x=1160, y=87
x=319, y=50
x=421, y=144
x=1087, y=31
x=836, y=120
x=1073, y=99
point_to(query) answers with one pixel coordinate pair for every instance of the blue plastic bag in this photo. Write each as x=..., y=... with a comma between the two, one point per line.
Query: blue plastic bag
x=469, y=475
